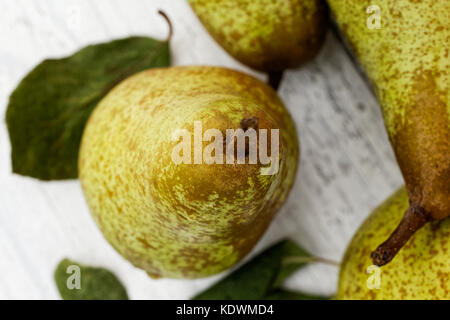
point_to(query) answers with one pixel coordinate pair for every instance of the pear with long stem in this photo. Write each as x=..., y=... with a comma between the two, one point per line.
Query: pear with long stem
x=404, y=47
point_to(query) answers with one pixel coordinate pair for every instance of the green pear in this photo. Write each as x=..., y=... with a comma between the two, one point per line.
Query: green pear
x=421, y=269
x=404, y=47
x=192, y=218
x=267, y=35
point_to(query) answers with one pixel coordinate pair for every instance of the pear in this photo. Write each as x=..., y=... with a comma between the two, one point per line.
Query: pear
x=193, y=218
x=267, y=35
x=408, y=61
x=420, y=271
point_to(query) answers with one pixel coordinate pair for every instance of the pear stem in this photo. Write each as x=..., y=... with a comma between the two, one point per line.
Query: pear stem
x=169, y=23
x=414, y=219
x=275, y=79
x=251, y=122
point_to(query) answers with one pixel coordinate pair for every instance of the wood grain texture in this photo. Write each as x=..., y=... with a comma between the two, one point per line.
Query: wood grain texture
x=347, y=165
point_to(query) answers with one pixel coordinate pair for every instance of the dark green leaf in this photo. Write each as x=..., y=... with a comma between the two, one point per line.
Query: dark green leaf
x=261, y=275
x=48, y=110
x=95, y=283
x=291, y=295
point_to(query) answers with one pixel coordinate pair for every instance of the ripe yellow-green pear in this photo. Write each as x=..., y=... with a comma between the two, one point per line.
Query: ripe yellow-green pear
x=404, y=47
x=267, y=35
x=185, y=219
x=421, y=269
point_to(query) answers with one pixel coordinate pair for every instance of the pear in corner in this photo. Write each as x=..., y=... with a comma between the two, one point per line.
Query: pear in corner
x=421, y=269
x=191, y=218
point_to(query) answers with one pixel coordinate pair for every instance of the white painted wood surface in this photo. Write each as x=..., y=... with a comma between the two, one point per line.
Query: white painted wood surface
x=347, y=166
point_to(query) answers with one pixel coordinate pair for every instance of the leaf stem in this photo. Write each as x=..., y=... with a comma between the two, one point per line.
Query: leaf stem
x=327, y=261
x=169, y=23
x=302, y=260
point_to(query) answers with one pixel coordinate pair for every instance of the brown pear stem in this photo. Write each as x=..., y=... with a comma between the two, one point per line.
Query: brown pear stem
x=251, y=122
x=275, y=79
x=414, y=219
x=169, y=23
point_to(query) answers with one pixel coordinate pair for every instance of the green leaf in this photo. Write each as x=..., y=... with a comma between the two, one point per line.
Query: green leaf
x=261, y=276
x=95, y=283
x=48, y=110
